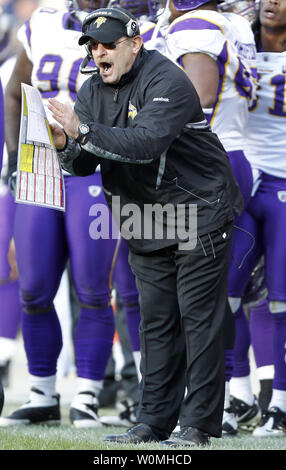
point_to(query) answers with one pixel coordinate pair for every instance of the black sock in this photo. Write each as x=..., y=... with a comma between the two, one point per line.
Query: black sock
x=265, y=394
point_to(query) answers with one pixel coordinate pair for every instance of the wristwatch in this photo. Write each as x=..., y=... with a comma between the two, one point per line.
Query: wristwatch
x=83, y=130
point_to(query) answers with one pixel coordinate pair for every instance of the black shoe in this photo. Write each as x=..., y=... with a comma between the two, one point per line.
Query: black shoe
x=137, y=434
x=188, y=436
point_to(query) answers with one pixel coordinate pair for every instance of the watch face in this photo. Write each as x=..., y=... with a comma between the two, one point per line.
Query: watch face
x=84, y=129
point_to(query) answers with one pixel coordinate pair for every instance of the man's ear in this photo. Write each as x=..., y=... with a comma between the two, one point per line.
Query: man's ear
x=137, y=43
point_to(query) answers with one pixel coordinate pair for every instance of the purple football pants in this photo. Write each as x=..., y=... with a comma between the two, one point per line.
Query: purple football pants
x=265, y=219
x=243, y=174
x=45, y=240
x=9, y=290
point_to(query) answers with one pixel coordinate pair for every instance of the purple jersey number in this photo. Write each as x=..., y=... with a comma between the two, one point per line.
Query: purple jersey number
x=278, y=108
x=54, y=63
x=244, y=82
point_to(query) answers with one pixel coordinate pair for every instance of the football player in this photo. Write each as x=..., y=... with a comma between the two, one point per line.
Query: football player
x=266, y=210
x=9, y=286
x=45, y=238
x=1, y=156
x=254, y=303
x=217, y=51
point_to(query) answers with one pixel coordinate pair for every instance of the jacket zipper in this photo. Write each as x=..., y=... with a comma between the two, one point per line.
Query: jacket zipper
x=116, y=91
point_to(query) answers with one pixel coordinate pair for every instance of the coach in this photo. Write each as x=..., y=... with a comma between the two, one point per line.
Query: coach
x=141, y=119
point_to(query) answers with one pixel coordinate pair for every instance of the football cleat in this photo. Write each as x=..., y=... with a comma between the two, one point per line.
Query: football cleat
x=83, y=411
x=4, y=373
x=272, y=424
x=40, y=409
x=229, y=423
x=126, y=417
x=1, y=397
x=247, y=416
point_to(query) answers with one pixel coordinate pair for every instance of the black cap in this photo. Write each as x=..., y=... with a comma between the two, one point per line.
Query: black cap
x=104, y=30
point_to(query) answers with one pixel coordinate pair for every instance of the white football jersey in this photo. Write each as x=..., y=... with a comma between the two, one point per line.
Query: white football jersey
x=266, y=136
x=152, y=36
x=219, y=36
x=6, y=70
x=56, y=56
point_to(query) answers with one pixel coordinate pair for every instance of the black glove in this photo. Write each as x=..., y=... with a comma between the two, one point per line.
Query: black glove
x=11, y=176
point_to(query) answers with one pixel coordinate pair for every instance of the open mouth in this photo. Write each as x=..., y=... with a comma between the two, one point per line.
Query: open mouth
x=105, y=67
x=270, y=11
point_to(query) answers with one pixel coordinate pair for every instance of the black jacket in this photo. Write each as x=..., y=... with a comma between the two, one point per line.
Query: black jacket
x=150, y=136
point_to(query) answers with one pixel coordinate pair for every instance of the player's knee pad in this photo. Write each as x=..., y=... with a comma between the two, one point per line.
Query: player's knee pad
x=36, y=303
x=38, y=310
x=277, y=307
x=95, y=302
x=234, y=303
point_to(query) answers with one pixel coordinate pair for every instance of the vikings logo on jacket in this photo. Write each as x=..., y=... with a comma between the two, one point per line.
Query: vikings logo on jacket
x=132, y=111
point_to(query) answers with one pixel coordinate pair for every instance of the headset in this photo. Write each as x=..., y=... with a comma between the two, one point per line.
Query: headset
x=117, y=13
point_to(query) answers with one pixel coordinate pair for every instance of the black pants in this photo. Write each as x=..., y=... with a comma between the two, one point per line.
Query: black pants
x=183, y=296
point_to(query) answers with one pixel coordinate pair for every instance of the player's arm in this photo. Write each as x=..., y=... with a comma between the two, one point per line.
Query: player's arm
x=21, y=73
x=203, y=72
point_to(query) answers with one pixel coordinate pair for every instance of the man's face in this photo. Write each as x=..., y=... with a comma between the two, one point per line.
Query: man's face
x=113, y=63
x=273, y=13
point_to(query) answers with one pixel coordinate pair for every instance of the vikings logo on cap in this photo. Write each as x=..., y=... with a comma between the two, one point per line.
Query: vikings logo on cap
x=100, y=20
x=132, y=111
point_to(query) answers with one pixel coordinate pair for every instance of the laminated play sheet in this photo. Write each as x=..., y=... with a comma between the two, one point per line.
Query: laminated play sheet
x=39, y=174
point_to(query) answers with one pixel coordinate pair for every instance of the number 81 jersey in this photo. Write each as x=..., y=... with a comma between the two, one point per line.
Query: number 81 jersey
x=50, y=39
x=266, y=136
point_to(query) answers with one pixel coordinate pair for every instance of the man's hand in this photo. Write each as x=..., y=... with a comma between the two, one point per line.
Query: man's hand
x=64, y=115
x=59, y=136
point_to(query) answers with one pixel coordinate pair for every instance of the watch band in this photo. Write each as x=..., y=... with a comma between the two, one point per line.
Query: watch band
x=83, y=131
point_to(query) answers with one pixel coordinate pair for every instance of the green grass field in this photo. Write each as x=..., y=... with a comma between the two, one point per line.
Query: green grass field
x=65, y=437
